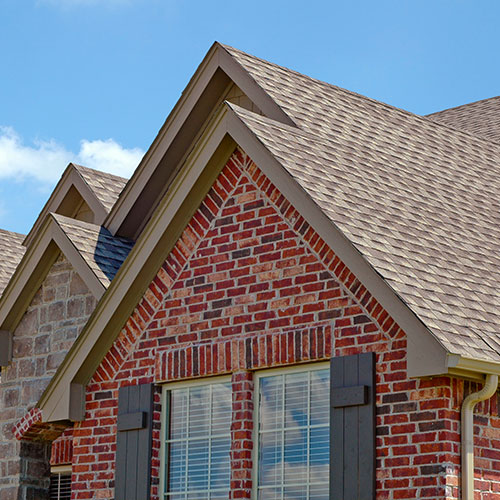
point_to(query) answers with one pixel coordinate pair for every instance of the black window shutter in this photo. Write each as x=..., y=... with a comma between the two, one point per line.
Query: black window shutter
x=352, y=427
x=134, y=442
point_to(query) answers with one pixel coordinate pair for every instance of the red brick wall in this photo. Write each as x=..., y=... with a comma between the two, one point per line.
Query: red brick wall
x=251, y=285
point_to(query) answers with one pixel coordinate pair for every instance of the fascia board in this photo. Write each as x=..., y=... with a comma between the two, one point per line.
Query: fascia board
x=89, y=196
x=83, y=357
x=41, y=254
x=426, y=355
x=164, y=138
x=26, y=268
x=54, y=201
x=467, y=367
x=217, y=57
x=70, y=177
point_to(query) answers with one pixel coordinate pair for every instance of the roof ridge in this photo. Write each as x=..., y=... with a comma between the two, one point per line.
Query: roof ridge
x=100, y=172
x=462, y=106
x=389, y=107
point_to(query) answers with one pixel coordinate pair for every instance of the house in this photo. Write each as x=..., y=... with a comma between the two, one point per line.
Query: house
x=295, y=296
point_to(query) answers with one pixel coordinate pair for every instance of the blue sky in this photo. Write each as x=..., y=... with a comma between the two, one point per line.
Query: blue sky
x=92, y=81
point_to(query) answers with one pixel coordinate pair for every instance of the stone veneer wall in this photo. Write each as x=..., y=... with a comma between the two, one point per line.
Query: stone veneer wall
x=55, y=317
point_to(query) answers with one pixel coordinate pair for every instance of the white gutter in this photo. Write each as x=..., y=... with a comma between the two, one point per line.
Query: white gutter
x=489, y=388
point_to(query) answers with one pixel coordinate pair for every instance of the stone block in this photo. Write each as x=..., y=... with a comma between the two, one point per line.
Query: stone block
x=56, y=311
x=22, y=347
x=42, y=344
x=77, y=286
x=28, y=324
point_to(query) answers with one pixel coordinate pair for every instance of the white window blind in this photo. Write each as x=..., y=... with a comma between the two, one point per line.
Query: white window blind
x=198, y=442
x=60, y=486
x=293, y=433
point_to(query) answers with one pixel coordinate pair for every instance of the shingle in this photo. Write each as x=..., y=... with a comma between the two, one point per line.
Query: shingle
x=11, y=253
x=107, y=187
x=425, y=197
x=480, y=118
x=103, y=252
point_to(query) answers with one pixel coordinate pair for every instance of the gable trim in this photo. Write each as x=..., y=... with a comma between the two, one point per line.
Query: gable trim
x=33, y=268
x=217, y=59
x=70, y=178
x=158, y=238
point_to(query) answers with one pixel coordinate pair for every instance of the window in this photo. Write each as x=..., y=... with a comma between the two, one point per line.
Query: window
x=197, y=441
x=292, y=429
x=60, y=483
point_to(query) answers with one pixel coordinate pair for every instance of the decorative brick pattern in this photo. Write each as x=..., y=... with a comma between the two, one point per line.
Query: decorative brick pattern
x=249, y=285
x=245, y=352
x=62, y=449
x=56, y=315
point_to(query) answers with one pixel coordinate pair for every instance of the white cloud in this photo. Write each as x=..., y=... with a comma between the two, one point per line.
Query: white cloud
x=46, y=160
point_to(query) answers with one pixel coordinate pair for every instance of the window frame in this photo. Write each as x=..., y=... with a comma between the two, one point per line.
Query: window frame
x=165, y=409
x=258, y=374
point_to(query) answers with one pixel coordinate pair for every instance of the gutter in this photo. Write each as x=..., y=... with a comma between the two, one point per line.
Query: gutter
x=488, y=390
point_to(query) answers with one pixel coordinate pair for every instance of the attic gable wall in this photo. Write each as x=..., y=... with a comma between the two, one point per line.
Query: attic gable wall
x=55, y=317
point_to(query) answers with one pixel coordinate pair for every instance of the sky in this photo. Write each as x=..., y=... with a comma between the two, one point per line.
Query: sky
x=92, y=81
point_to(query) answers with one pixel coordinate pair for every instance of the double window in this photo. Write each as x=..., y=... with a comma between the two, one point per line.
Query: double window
x=291, y=433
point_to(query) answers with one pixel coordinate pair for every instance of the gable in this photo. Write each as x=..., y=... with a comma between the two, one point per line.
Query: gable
x=218, y=77
x=82, y=194
x=249, y=284
x=246, y=266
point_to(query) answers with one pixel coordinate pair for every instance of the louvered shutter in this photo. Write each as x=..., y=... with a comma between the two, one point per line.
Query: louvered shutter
x=133, y=442
x=352, y=427
x=60, y=486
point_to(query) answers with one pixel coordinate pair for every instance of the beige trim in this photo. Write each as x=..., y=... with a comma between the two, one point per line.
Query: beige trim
x=467, y=367
x=61, y=469
x=64, y=200
x=216, y=72
x=33, y=268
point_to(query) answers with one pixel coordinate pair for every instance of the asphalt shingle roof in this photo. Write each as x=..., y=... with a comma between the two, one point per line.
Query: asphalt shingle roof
x=481, y=118
x=103, y=252
x=11, y=253
x=107, y=187
x=419, y=200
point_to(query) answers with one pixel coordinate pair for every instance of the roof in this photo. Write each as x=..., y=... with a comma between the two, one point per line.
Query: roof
x=417, y=199
x=107, y=187
x=11, y=253
x=480, y=118
x=409, y=204
x=103, y=252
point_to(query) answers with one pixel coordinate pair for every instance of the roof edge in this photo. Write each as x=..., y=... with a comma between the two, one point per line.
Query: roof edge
x=217, y=58
x=49, y=240
x=71, y=177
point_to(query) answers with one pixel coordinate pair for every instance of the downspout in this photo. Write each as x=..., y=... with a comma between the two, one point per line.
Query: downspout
x=489, y=388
